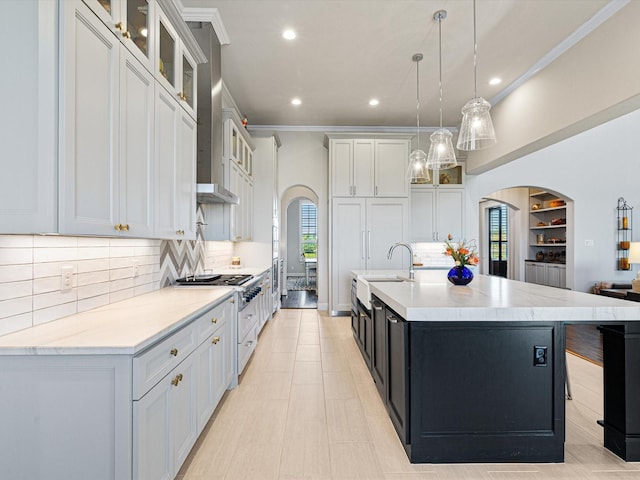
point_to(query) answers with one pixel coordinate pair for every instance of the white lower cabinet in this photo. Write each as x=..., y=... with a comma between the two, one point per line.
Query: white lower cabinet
x=550, y=274
x=165, y=424
x=116, y=416
x=168, y=418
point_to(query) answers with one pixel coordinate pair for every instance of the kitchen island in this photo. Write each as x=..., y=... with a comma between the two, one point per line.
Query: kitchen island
x=477, y=373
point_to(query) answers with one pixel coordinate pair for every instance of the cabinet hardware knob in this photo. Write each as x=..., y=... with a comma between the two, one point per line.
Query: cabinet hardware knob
x=119, y=25
x=249, y=343
x=125, y=227
x=214, y=320
x=232, y=301
x=215, y=340
x=118, y=227
x=261, y=293
x=174, y=352
x=176, y=380
x=126, y=34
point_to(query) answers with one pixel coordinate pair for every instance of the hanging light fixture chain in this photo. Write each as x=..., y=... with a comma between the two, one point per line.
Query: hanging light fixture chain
x=416, y=58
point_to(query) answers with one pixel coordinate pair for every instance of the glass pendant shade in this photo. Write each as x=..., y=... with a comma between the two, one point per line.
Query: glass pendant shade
x=418, y=172
x=476, y=131
x=441, y=153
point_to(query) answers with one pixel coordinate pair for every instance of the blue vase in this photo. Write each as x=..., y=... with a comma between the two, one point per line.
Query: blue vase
x=460, y=275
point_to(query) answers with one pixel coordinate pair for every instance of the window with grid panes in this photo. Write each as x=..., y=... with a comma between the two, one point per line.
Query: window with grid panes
x=498, y=245
x=308, y=230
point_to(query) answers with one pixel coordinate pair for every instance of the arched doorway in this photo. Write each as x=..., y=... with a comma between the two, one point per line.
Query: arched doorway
x=299, y=248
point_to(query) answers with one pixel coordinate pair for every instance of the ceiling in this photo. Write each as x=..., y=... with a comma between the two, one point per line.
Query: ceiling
x=349, y=51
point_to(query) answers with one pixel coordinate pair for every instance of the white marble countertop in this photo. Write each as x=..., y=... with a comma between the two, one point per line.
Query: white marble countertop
x=487, y=298
x=121, y=328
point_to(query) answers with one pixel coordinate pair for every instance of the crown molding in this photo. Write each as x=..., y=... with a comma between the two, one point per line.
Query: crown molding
x=348, y=129
x=211, y=15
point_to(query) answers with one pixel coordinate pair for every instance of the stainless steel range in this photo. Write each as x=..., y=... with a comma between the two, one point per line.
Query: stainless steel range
x=249, y=288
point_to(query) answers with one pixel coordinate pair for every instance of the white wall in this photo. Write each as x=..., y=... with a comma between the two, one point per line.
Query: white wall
x=303, y=160
x=594, y=169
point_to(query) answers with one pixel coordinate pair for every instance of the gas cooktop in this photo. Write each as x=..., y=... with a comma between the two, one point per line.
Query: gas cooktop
x=215, y=279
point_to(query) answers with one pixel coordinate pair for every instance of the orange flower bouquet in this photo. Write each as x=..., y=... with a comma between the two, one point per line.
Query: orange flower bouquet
x=463, y=252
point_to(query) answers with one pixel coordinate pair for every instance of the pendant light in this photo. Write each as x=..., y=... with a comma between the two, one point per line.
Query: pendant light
x=418, y=171
x=476, y=131
x=441, y=153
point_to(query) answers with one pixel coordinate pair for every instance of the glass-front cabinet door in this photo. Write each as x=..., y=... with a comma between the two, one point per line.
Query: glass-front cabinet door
x=132, y=22
x=167, y=49
x=188, y=87
x=139, y=18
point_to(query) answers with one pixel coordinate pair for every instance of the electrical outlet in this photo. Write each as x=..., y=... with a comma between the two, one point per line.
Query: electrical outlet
x=136, y=264
x=539, y=356
x=66, y=278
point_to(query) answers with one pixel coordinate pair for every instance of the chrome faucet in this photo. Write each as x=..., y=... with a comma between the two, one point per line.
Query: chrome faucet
x=412, y=272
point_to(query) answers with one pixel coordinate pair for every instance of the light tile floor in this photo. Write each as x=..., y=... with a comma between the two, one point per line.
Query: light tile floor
x=307, y=408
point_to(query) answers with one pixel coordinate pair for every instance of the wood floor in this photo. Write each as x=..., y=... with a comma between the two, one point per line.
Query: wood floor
x=307, y=408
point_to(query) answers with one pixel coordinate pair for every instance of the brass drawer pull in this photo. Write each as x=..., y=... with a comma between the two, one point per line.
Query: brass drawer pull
x=177, y=379
x=215, y=340
x=174, y=352
x=214, y=320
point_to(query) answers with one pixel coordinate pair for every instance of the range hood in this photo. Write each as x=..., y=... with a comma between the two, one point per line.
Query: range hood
x=210, y=171
x=215, y=193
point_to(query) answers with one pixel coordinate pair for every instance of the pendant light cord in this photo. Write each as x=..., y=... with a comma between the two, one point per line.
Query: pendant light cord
x=418, y=99
x=475, y=54
x=440, y=62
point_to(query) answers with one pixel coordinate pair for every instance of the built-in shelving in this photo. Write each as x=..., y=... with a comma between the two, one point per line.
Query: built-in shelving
x=547, y=235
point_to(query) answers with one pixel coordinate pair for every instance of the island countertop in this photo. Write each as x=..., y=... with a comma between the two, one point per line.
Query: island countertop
x=125, y=327
x=430, y=297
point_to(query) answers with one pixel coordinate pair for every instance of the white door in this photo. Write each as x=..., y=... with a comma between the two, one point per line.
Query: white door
x=205, y=402
x=387, y=224
x=423, y=214
x=348, y=248
x=136, y=146
x=363, y=168
x=450, y=214
x=391, y=163
x=342, y=168
x=90, y=124
x=186, y=181
x=166, y=151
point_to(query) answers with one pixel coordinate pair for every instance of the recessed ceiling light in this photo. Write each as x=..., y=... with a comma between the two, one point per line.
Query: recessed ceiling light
x=296, y=101
x=289, y=34
x=373, y=102
x=495, y=81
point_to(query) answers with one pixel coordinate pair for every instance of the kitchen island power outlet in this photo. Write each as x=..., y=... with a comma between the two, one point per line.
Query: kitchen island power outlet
x=66, y=278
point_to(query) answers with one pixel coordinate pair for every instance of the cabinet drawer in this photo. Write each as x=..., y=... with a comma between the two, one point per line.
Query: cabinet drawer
x=246, y=348
x=150, y=366
x=247, y=319
x=211, y=321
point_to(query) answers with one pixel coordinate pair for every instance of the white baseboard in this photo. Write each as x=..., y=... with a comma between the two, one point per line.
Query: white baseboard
x=323, y=306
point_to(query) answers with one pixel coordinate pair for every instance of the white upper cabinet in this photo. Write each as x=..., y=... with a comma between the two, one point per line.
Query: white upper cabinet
x=132, y=21
x=128, y=146
x=369, y=167
x=436, y=213
x=391, y=163
x=175, y=133
x=175, y=67
x=29, y=124
x=89, y=197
